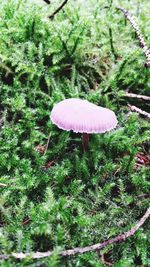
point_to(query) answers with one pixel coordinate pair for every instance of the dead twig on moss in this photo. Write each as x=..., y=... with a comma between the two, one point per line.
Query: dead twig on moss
x=105, y=262
x=3, y=185
x=80, y=250
x=135, y=26
x=47, y=2
x=142, y=97
x=47, y=144
x=58, y=9
x=140, y=111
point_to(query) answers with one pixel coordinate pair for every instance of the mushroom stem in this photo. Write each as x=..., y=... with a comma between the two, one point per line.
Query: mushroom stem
x=85, y=141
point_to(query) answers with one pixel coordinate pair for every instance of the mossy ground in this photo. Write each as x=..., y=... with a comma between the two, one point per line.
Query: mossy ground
x=65, y=198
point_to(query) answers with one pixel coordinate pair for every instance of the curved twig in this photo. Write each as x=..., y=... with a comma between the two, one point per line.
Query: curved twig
x=47, y=2
x=47, y=144
x=143, y=45
x=142, y=97
x=140, y=111
x=80, y=250
x=58, y=9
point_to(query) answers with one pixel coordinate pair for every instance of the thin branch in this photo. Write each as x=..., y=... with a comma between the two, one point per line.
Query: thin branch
x=58, y=9
x=140, y=111
x=105, y=262
x=3, y=185
x=143, y=45
x=47, y=144
x=72, y=252
x=143, y=97
x=47, y=2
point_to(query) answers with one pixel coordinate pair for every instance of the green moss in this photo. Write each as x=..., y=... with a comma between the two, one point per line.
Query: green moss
x=66, y=198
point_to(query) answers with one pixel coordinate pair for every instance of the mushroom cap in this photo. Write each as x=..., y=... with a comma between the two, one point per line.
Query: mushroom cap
x=81, y=116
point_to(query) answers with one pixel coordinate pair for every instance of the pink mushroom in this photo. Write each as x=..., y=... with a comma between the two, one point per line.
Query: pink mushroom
x=84, y=117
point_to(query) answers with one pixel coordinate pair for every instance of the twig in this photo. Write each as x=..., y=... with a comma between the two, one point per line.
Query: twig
x=47, y=144
x=105, y=262
x=47, y=2
x=142, y=195
x=96, y=247
x=26, y=221
x=3, y=185
x=58, y=9
x=143, y=45
x=143, y=97
x=138, y=110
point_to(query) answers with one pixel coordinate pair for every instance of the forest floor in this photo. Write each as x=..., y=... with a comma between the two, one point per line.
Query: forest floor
x=53, y=195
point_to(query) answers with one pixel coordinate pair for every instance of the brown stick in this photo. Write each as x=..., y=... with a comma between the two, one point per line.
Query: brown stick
x=58, y=9
x=143, y=97
x=105, y=262
x=72, y=252
x=47, y=144
x=140, y=111
x=143, y=45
